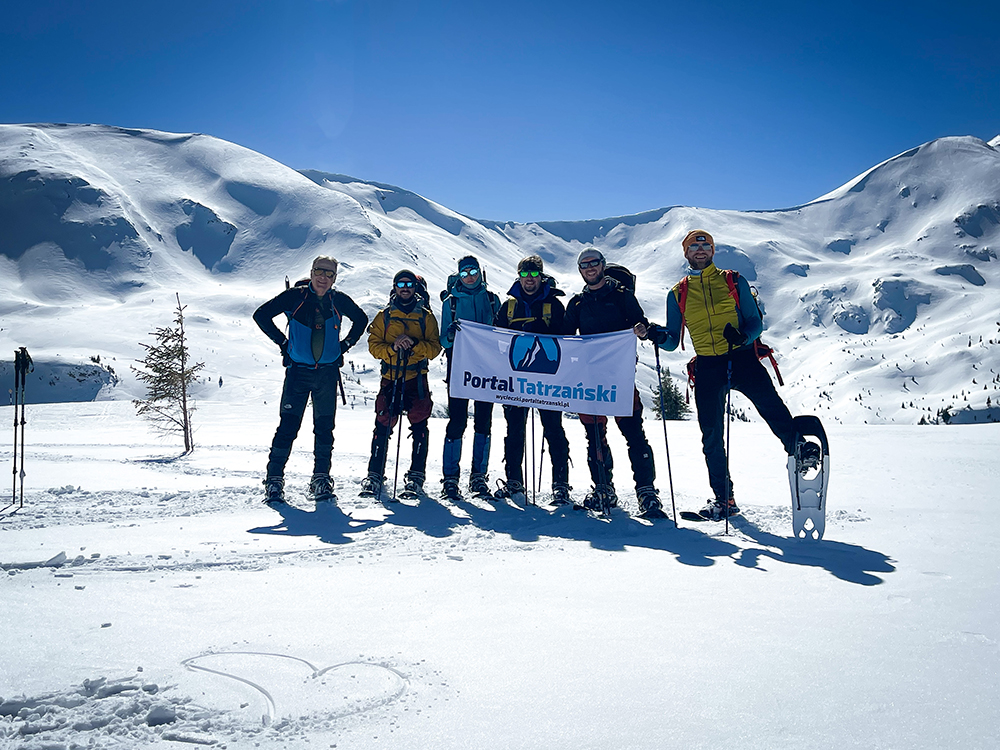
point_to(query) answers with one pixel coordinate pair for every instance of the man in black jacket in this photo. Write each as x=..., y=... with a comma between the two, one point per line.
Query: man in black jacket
x=533, y=307
x=312, y=354
x=605, y=305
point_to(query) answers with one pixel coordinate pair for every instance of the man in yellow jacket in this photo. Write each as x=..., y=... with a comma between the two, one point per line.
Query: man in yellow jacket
x=719, y=310
x=404, y=337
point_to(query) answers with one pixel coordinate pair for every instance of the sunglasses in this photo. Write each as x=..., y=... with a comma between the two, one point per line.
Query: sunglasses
x=324, y=272
x=404, y=284
x=532, y=274
x=696, y=247
x=590, y=263
x=469, y=272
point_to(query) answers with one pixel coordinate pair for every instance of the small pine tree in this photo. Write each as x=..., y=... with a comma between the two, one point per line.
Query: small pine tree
x=674, y=404
x=168, y=378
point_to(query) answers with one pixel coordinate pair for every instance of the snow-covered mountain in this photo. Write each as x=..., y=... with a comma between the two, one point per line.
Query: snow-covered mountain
x=880, y=296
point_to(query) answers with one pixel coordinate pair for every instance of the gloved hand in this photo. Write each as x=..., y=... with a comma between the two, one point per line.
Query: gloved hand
x=286, y=361
x=656, y=334
x=454, y=328
x=734, y=335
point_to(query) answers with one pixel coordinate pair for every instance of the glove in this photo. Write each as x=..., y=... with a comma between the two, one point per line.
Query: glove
x=734, y=335
x=454, y=328
x=286, y=361
x=656, y=334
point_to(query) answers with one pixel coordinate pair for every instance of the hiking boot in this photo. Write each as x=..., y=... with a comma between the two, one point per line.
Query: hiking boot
x=321, y=487
x=371, y=486
x=274, y=490
x=560, y=494
x=808, y=456
x=649, y=501
x=479, y=486
x=715, y=510
x=449, y=489
x=510, y=490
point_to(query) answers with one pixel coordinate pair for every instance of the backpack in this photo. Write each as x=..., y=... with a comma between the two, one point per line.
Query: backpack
x=622, y=275
x=512, y=303
x=762, y=350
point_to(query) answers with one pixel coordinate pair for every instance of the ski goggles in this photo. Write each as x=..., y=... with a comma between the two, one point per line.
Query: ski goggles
x=468, y=272
x=324, y=272
x=405, y=284
x=590, y=263
x=532, y=274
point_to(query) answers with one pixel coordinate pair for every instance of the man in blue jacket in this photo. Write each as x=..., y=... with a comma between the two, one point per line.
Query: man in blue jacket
x=312, y=354
x=466, y=298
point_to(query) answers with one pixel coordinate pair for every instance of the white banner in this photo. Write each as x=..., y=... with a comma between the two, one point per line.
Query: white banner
x=580, y=374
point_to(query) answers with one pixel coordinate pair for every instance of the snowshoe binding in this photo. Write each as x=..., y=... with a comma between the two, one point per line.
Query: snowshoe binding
x=560, y=494
x=650, y=506
x=274, y=490
x=371, y=486
x=479, y=487
x=449, y=489
x=510, y=490
x=413, y=486
x=321, y=488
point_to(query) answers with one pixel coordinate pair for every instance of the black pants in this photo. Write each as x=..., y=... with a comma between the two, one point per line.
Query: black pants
x=552, y=431
x=395, y=398
x=300, y=383
x=640, y=455
x=749, y=378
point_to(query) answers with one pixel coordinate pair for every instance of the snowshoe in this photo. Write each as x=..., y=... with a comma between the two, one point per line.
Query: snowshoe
x=413, y=487
x=714, y=510
x=321, y=488
x=510, y=490
x=649, y=503
x=479, y=487
x=274, y=490
x=371, y=486
x=809, y=476
x=560, y=494
x=449, y=489
x=600, y=500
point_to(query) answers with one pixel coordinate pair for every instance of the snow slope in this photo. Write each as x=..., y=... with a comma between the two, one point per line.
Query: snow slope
x=880, y=296
x=152, y=601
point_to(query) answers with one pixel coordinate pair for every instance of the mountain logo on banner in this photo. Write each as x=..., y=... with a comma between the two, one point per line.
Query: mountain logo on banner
x=535, y=354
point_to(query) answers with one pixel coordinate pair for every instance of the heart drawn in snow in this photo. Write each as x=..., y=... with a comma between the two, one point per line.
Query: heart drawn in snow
x=293, y=688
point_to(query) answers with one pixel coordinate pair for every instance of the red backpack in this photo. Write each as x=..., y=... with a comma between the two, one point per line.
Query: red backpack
x=762, y=350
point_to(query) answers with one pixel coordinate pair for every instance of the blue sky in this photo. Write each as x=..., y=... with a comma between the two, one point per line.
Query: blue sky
x=525, y=111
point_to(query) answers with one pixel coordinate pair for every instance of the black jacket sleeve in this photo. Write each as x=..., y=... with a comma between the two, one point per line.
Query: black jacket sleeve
x=265, y=314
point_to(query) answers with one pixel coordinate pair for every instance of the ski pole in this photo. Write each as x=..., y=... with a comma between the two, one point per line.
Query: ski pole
x=401, y=358
x=729, y=421
x=666, y=444
x=534, y=478
x=22, y=363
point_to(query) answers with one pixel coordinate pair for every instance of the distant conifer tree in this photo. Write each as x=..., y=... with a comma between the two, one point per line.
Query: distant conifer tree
x=674, y=404
x=168, y=378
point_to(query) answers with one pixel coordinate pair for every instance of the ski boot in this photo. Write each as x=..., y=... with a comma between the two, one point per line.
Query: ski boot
x=449, y=489
x=807, y=456
x=649, y=503
x=274, y=490
x=321, y=488
x=510, y=490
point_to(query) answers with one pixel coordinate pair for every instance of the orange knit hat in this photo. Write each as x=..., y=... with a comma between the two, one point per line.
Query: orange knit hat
x=696, y=235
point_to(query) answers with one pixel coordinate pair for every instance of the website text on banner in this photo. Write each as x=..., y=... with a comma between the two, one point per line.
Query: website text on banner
x=578, y=374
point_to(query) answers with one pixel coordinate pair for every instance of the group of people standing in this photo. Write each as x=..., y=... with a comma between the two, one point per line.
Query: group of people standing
x=406, y=335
